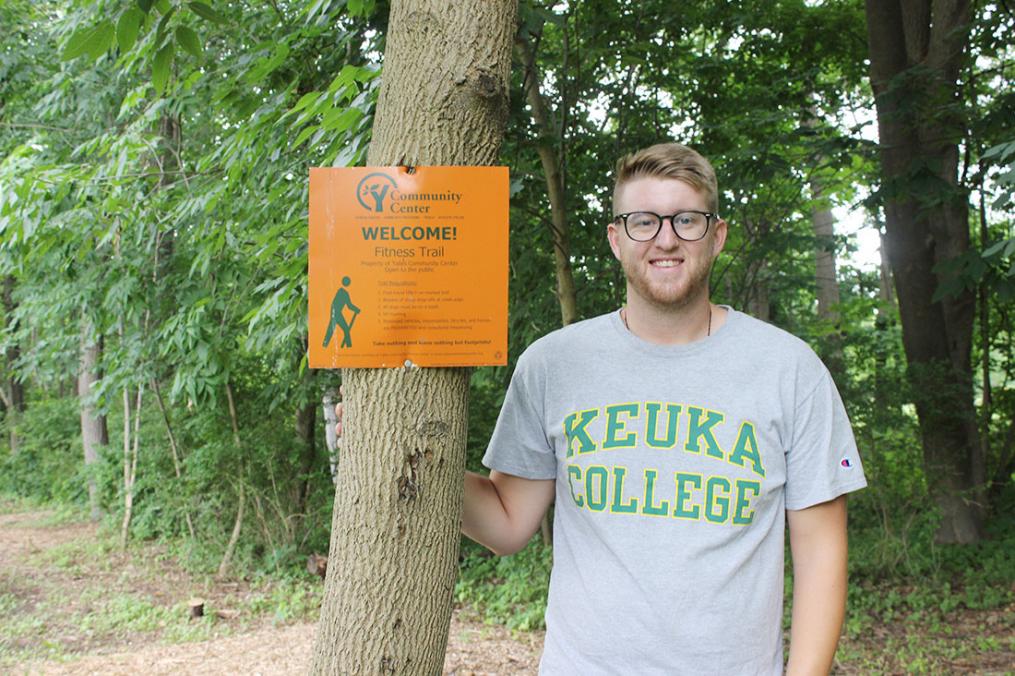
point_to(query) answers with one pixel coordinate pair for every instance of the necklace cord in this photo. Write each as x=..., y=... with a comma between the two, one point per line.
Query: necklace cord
x=708, y=332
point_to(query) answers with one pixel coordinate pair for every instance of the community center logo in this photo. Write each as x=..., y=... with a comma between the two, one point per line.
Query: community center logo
x=373, y=189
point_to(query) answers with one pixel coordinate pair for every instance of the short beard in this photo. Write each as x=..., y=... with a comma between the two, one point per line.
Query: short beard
x=698, y=287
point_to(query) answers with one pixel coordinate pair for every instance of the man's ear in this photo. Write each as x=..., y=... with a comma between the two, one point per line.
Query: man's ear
x=612, y=234
x=719, y=238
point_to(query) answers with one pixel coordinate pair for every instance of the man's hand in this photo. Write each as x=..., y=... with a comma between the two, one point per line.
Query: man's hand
x=817, y=537
x=502, y=511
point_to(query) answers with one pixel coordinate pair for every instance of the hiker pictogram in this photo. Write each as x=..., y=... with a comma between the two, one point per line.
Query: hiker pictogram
x=338, y=306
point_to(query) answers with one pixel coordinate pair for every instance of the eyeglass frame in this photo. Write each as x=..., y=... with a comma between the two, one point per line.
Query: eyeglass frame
x=709, y=217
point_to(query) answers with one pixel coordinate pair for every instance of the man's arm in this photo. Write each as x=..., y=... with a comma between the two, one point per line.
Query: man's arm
x=503, y=511
x=818, y=545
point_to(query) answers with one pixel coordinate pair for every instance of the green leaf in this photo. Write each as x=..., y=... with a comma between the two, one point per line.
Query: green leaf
x=998, y=246
x=160, y=30
x=127, y=28
x=206, y=12
x=304, y=135
x=92, y=40
x=145, y=5
x=105, y=33
x=189, y=41
x=163, y=6
x=77, y=44
x=160, y=67
x=304, y=101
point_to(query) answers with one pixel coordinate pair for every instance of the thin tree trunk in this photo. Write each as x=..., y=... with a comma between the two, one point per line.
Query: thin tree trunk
x=826, y=279
x=986, y=412
x=549, y=156
x=94, y=432
x=131, y=447
x=306, y=423
x=886, y=294
x=397, y=517
x=13, y=390
x=227, y=557
x=174, y=449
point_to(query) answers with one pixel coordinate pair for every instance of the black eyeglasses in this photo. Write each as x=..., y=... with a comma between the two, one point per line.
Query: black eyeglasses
x=643, y=226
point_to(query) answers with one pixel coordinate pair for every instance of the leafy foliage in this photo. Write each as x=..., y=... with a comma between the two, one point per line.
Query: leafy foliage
x=153, y=195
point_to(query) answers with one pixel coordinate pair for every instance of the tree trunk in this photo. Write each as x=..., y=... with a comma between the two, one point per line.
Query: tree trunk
x=130, y=454
x=826, y=279
x=174, y=449
x=549, y=157
x=916, y=50
x=306, y=423
x=14, y=391
x=234, y=537
x=94, y=432
x=397, y=516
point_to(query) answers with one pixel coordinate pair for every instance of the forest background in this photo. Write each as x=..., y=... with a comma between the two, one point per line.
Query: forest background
x=153, y=256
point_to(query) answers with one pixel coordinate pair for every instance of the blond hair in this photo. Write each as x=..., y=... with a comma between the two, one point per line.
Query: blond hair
x=670, y=160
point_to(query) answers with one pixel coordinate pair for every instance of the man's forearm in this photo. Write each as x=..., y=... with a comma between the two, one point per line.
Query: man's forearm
x=501, y=512
x=483, y=516
x=818, y=542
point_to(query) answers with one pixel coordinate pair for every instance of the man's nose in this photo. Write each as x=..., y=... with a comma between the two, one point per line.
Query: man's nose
x=667, y=237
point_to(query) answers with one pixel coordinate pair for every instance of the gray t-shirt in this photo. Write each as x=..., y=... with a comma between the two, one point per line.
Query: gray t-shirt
x=674, y=468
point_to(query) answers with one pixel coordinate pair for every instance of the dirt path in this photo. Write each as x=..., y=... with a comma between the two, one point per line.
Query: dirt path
x=70, y=603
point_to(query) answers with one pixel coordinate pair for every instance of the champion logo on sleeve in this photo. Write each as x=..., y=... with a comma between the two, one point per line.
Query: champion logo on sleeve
x=846, y=463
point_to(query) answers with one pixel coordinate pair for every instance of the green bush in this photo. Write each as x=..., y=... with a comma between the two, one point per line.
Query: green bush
x=509, y=590
x=49, y=464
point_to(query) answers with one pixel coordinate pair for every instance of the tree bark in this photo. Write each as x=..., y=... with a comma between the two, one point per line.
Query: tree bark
x=130, y=454
x=94, y=432
x=916, y=50
x=549, y=157
x=306, y=423
x=13, y=392
x=826, y=280
x=397, y=515
x=234, y=537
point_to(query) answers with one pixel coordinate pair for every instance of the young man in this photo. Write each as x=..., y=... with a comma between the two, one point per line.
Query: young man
x=677, y=438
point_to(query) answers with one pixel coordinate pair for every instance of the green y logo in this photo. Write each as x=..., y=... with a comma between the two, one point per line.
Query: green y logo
x=373, y=189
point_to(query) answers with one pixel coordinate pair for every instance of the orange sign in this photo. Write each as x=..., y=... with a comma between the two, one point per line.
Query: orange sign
x=408, y=266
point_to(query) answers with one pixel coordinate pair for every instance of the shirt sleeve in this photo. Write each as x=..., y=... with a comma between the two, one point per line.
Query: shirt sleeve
x=822, y=461
x=520, y=445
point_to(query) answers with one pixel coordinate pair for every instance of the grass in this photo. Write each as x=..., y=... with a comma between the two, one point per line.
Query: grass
x=79, y=593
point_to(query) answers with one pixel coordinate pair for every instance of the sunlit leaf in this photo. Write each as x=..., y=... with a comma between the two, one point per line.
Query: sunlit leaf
x=160, y=67
x=127, y=28
x=189, y=41
x=206, y=12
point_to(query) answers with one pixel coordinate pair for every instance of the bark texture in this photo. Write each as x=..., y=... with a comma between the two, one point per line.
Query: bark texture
x=397, y=516
x=94, y=432
x=826, y=279
x=917, y=48
x=546, y=145
x=12, y=392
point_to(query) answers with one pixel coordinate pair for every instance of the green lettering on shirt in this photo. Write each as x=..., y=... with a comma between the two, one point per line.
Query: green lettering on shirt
x=618, y=506
x=701, y=430
x=717, y=499
x=741, y=515
x=575, y=431
x=615, y=426
x=596, y=477
x=652, y=427
x=746, y=448
x=680, y=508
